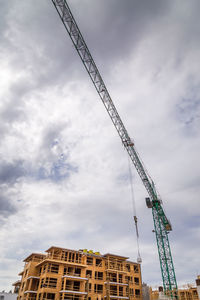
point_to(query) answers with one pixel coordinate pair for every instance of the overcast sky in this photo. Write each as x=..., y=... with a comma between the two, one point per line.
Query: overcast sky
x=63, y=171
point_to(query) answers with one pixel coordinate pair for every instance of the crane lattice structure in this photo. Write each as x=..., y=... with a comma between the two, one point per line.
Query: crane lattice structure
x=161, y=223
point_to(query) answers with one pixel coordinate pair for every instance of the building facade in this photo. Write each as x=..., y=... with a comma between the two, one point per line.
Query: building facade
x=189, y=293
x=64, y=274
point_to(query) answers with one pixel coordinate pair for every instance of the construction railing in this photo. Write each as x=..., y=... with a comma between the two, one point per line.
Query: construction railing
x=63, y=258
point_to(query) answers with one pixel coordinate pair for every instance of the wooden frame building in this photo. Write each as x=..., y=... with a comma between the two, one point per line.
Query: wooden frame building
x=65, y=274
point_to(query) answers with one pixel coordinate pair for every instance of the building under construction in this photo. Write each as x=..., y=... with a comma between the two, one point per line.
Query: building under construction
x=78, y=275
x=186, y=292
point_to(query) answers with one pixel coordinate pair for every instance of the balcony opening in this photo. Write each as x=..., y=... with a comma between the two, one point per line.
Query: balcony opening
x=113, y=290
x=76, y=285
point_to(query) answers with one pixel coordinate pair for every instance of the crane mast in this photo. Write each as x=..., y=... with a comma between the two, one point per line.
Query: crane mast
x=162, y=225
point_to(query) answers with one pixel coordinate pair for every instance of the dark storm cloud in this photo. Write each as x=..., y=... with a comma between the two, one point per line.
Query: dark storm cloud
x=6, y=206
x=11, y=172
x=112, y=28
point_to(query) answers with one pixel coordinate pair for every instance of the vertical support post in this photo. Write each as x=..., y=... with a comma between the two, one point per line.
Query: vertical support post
x=128, y=294
x=87, y=287
x=107, y=287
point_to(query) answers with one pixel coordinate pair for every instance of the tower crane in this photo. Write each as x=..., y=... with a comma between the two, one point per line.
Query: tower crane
x=162, y=225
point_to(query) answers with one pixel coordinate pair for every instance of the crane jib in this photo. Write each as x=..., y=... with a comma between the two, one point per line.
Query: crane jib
x=161, y=223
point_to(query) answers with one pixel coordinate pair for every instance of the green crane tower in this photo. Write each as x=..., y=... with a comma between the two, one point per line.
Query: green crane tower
x=161, y=223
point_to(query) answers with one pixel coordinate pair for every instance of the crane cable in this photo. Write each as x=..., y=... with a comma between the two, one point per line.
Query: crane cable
x=139, y=259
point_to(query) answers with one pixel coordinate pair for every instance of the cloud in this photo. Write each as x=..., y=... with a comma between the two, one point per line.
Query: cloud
x=11, y=172
x=6, y=207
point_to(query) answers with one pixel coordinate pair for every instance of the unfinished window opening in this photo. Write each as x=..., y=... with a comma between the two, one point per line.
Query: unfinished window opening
x=113, y=290
x=120, y=278
x=57, y=254
x=89, y=260
x=77, y=272
x=137, y=293
x=62, y=285
x=44, y=268
x=121, y=290
x=119, y=266
x=49, y=296
x=89, y=273
x=129, y=279
x=90, y=287
x=98, y=275
x=52, y=282
x=98, y=288
x=136, y=280
x=113, y=277
x=76, y=285
x=136, y=269
x=98, y=262
x=71, y=256
x=34, y=285
x=52, y=268
x=111, y=265
x=48, y=282
x=131, y=292
x=77, y=258
x=128, y=267
x=70, y=270
x=64, y=255
x=69, y=285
